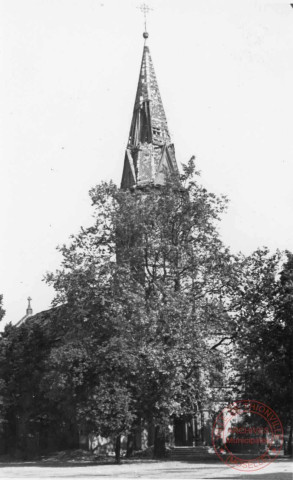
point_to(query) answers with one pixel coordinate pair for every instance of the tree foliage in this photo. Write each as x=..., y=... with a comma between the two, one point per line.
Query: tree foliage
x=143, y=286
x=154, y=317
x=262, y=348
x=2, y=311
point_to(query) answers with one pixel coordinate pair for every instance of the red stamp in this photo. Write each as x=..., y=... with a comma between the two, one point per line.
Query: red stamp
x=247, y=435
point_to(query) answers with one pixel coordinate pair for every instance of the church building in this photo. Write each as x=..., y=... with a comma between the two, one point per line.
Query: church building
x=149, y=157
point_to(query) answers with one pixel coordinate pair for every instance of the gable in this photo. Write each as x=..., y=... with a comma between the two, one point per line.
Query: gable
x=128, y=176
x=165, y=167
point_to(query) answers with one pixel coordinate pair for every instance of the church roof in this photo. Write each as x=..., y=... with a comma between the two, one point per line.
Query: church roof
x=43, y=317
x=150, y=154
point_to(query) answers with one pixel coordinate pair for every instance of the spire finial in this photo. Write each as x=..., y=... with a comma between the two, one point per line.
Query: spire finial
x=145, y=9
x=29, y=310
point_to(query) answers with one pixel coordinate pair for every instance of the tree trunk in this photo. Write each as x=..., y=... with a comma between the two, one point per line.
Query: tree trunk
x=118, y=448
x=160, y=443
x=130, y=445
x=289, y=446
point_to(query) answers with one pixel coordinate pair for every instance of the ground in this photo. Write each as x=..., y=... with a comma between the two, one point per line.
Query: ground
x=279, y=470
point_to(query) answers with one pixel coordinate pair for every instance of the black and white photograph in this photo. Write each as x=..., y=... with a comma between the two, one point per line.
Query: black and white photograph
x=146, y=252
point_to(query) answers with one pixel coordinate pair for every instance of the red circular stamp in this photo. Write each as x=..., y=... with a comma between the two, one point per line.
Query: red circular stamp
x=247, y=435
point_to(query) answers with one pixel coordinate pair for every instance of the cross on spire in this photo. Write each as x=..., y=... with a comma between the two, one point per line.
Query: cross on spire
x=145, y=9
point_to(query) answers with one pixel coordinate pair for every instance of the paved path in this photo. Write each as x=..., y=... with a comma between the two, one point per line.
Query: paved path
x=278, y=470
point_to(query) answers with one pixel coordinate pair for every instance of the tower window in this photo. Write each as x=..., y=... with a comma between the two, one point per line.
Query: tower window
x=157, y=131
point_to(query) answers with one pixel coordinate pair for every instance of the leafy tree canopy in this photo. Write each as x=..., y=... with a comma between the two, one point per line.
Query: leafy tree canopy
x=142, y=287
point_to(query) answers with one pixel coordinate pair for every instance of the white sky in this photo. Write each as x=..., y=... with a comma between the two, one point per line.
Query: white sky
x=69, y=71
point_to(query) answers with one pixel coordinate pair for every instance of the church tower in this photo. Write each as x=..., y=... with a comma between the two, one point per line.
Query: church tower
x=150, y=153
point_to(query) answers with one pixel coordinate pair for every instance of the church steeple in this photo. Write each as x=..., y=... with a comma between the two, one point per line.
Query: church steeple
x=29, y=310
x=150, y=153
x=29, y=313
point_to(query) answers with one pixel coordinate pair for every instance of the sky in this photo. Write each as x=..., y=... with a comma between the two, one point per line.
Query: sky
x=69, y=71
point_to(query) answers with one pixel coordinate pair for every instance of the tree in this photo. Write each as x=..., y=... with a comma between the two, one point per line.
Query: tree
x=263, y=331
x=2, y=312
x=23, y=351
x=150, y=277
x=284, y=336
x=2, y=385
